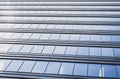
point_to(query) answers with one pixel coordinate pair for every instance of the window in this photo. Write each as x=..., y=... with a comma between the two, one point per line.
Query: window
x=109, y=70
x=64, y=37
x=117, y=52
x=14, y=65
x=71, y=51
x=95, y=51
x=66, y=68
x=26, y=48
x=80, y=69
x=53, y=67
x=48, y=50
x=4, y=64
x=118, y=71
x=15, y=48
x=83, y=51
x=40, y=67
x=35, y=36
x=60, y=50
x=27, y=66
x=94, y=70
x=106, y=38
x=107, y=52
x=37, y=49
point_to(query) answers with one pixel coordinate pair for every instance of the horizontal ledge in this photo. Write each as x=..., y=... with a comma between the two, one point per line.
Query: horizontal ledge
x=61, y=15
x=59, y=9
x=57, y=58
x=61, y=43
x=30, y=75
x=61, y=31
x=64, y=22
x=62, y=4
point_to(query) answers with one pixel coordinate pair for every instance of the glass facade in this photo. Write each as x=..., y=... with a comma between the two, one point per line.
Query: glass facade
x=59, y=39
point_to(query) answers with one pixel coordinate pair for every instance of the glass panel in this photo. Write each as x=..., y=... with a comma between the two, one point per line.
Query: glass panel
x=116, y=38
x=16, y=35
x=15, y=48
x=64, y=37
x=66, y=68
x=109, y=71
x=4, y=64
x=94, y=70
x=55, y=36
x=26, y=48
x=95, y=37
x=5, y=47
x=40, y=67
x=117, y=52
x=35, y=36
x=118, y=71
x=14, y=65
x=107, y=52
x=106, y=38
x=26, y=35
x=48, y=49
x=71, y=50
x=85, y=37
x=37, y=49
x=83, y=51
x=27, y=66
x=80, y=69
x=74, y=37
x=45, y=36
x=60, y=50
x=95, y=51
x=53, y=67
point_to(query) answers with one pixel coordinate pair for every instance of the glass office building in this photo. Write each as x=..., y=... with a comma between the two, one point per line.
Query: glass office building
x=59, y=39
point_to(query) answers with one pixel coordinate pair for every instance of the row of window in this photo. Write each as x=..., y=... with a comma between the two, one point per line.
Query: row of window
x=111, y=7
x=63, y=12
x=60, y=37
x=60, y=50
x=49, y=26
x=61, y=18
x=80, y=69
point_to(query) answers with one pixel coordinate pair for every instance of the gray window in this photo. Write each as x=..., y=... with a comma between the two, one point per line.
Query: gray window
x=26, y=48
x=26, y=35
x=15, y=48
x=4, y=64
x=53, y=67
x=85, y=37
x=75, y=37
x=80, y=69
x=40, y=67
x=107, y=52
x=55, y=36
x=14, y=65
x=95, y=51
x=71, y=50
x=35, y=36
x=66, y=68
x=95, y=37
x=37, y=49
x=94, y=70
x=27, y=66
x=106, y=38
x=60, y=50
x=83, y=51
x=48, y=50
x=45, y=36
x=64, y=37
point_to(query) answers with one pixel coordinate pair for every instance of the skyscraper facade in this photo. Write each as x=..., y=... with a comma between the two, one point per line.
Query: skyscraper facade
x=59, y=39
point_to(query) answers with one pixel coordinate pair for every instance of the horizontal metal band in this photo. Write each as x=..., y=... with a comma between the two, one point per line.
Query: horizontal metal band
x=62, y=4
x=62, y=58
x=61, y=31
x=64, y=22
x=59, y=9
x=61, y=43
x=28, y=75
x=59, y=0
x=60, y=15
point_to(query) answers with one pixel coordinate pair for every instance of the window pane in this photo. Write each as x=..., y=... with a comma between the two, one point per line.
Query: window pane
x=26, y=48
x=45, y=36
x=37, y=49
x=40, y=67
x=66, y=68
x=107, y=52
x=94, y=70
x=64, y=37
x=106, y=38
x=4, y=64
x=60, y=50
x=27, y=66
x=48, y=50
x=15, y=48
x=109, y=71
x=53, y=67
x=55, y=36
x=71, y=50
x=95, y=37
x=85, y=37
x=14, y=65
x=80, y=69
x=117, y=52
x=26, y=35
x=118, y=71
x=83, y=51
x=95, y=51
x=115, y=38
x=74, y=37
x=35, y=36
